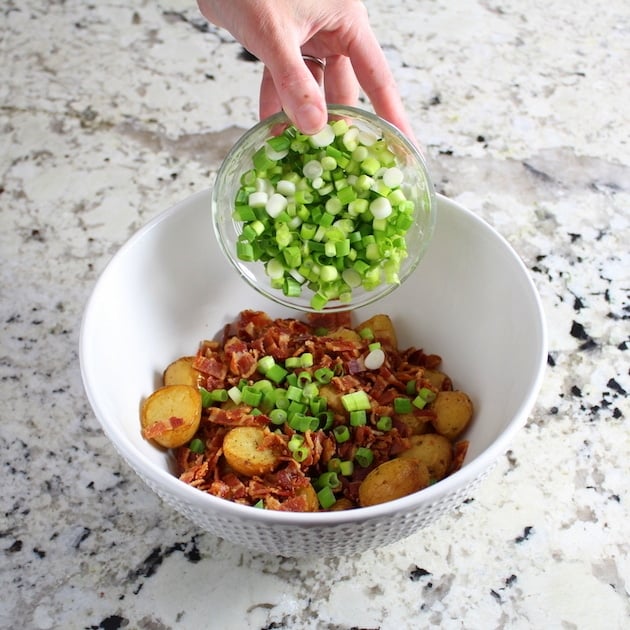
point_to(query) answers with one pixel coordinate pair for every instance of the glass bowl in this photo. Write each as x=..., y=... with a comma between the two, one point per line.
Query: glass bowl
x=416, y=187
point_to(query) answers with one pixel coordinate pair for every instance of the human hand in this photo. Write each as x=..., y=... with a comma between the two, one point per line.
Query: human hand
x=279, y=32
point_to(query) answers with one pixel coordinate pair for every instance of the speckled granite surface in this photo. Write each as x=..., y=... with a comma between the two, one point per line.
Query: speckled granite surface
x=111, y=112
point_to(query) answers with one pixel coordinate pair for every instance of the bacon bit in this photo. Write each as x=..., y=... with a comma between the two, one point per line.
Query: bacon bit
x=237, y=417
x=356, y=366
x=291, y=477
x=347, y=383
x=162, y=427
x=210, y=366
x=331, y=321
x=459, y=453
x=297, y=503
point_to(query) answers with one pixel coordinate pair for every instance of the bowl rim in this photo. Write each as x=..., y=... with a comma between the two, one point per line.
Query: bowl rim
x=171, y=485
x=366, y=297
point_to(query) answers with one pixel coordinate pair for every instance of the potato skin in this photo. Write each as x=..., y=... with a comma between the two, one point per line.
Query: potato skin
x=244, y=451
x=383, y=329
x=171, y=415
x=434, y=450
x=312, y=502
x=416, y=424
x=182, y=372
x=438, y=379
x=393, y=479
x=333, y=398
x=453, y=410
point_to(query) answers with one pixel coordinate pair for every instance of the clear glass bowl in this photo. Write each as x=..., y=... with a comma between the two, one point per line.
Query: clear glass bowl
x=417, y=187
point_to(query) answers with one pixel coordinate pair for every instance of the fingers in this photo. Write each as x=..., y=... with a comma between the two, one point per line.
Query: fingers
x=292, y=85
x=340, y=82
x=376, y=79
x=270, y=102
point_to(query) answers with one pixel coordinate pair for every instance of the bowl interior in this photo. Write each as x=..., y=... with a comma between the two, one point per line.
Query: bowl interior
x=417, y=187
x=470, y=300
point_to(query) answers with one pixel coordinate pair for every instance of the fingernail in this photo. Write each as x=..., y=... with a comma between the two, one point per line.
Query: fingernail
x=309, y=119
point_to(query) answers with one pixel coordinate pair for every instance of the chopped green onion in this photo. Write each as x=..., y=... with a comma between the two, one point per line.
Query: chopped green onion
x=384, y=423
x=323, y=375
x=366, y=333
x=251, y=396
x=419, y=402
x=364, y=456
x=334, y=464
x=427, y=394
x=278, y=416
x=358, y=418
x=355, y=401
x=295, y=442
x=346, y=468
x=326, y=497
x=300, y=187
x=276, y=373
x=197, y=446
x=341, y=433
x=402, y=405
x=301, y=453
x=265, y=363
x=329, y=479
x=235, y=395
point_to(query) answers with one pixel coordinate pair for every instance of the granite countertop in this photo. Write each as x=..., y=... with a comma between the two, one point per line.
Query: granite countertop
x=113, y=111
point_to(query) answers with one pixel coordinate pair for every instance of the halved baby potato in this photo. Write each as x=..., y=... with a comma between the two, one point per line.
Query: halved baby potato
x=454, y=411
x=170, y=415
x=393, y=479
x=432, y=449
x=182, y=372
x=245, y=452
x=383, y=329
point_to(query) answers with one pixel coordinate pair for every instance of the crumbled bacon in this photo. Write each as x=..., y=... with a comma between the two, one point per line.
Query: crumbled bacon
x=227, y=362
x=162, y=427
x=236, y=417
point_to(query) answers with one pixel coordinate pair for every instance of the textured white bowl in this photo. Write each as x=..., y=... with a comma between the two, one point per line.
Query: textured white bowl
x=471, y=300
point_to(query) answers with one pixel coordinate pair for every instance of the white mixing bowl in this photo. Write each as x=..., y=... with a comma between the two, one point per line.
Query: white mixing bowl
x=470, y=300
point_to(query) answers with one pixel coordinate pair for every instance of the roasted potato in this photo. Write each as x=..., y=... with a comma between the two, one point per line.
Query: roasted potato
x=383, y=329
x=436, y=378
x=454, y=411
x=434, y=450
x=341, y=504
x=312, y=502
x=245, y=452
x=393, y=479
x=182, y=372
x=346, y=333
x=333, y=398
x=416, y=424
x=171, y=415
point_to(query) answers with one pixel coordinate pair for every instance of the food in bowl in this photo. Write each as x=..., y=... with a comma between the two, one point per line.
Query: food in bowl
x=329, y=221
x=309, y=416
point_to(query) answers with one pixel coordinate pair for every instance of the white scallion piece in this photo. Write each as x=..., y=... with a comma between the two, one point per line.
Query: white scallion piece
x=393, y=177
x=274, y=155
x=276, y=205
x=323, y=138
x=285, y=187
x=258, y=199
x=380, y=208
x=374, y=359
x=313, y=169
